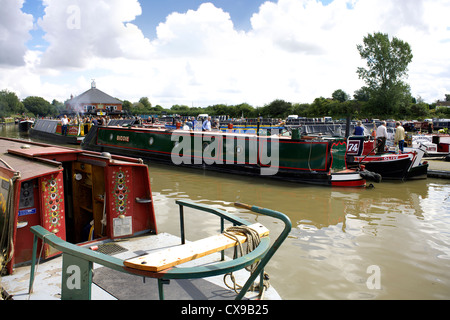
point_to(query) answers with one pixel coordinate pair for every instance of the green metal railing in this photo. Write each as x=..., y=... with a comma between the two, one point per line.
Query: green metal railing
x=81, y=260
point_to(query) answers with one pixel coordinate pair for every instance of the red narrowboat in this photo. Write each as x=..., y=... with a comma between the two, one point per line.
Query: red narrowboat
x=78, y=195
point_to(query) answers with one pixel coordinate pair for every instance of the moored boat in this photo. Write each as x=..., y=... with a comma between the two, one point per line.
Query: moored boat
x=313, y=159
x=25, y=125
x=435, y=144
x=51, y=131
x=390, y=165
x=72, y=208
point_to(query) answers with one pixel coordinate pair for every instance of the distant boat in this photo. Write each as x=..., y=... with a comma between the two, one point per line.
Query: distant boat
x=51, y=131
x=435, y=144
x=25, y=125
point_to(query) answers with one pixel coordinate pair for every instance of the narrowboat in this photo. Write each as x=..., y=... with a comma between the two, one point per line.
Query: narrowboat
x=65, y=212
x=25, y=125
x=436, y=144
x=312, y=159
x=51, y=131
x=361, y=151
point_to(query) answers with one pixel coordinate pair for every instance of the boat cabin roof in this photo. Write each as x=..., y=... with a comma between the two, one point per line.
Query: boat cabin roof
x=36, y=159
x=20, y=156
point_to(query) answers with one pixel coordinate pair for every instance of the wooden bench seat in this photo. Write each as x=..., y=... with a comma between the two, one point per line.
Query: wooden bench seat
x=170, y=257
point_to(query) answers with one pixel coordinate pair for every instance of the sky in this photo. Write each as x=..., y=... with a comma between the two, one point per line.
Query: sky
x=199, y=53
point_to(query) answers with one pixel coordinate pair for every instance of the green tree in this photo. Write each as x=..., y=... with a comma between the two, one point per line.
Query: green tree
x=127, y=106
x=277, y=109
x=10, y=104
x=387, y=66
x=362, y=94
x=145, y=102
x=320, y=107
x=340, y=95
x=138, y=108
x=244, y=110
x=301, y=109
x=39, y=106
x=419, y=110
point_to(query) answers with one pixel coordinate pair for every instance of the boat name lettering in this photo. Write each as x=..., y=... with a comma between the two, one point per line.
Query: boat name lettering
x=123, y=138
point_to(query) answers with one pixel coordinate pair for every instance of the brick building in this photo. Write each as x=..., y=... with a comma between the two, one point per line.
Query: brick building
x=95, y=102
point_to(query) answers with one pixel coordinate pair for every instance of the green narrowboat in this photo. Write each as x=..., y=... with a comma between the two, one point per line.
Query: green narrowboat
x=314, y=160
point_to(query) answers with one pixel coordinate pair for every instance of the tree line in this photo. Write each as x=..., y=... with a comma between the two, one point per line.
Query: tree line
x=339, y=105
x=385, y=95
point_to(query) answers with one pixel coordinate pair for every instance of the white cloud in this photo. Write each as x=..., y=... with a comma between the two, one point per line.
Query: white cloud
x=14, y=32
x=78, y=31
x=296, y=50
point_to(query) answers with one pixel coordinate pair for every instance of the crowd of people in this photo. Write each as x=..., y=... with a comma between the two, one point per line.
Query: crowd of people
x=193, y=124
x=82, y=120
x=381, y=135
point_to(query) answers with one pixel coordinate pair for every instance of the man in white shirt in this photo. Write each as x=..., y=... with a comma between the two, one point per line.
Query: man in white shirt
x=64, y=123
x=207, y=125
x=381, y=137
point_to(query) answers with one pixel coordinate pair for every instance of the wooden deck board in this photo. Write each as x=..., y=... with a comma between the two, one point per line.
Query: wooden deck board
x=174, y=256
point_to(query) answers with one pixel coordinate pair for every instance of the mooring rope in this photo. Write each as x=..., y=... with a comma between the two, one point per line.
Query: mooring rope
x=253, y=240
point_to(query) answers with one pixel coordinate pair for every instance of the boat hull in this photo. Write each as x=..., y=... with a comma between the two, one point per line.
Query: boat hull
x=55, y=138
x=50, y=131
x=313, y=162
x=393, y=166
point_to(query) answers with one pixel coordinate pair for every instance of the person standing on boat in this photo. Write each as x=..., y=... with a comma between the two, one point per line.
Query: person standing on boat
x=374, y=130
x=430, y=127
x=381, y=137
x=215, y=125
x=207, y=125
x=64, y=123
x=399, y=136
x=359, y=129
x=194, y=123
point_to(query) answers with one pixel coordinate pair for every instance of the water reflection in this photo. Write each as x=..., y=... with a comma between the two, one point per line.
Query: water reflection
x=12, y=131
x=403, y=228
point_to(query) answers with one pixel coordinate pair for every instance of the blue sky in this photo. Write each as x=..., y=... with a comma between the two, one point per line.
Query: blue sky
x=221, y=51
x=155, y=11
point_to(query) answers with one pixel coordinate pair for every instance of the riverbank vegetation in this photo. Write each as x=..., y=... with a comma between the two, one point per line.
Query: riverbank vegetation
x=339, y=105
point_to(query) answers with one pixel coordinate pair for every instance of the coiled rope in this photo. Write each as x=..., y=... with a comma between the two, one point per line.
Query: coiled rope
x=253, y=240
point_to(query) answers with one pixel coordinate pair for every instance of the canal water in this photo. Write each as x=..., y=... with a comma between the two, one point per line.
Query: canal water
x=387, y=242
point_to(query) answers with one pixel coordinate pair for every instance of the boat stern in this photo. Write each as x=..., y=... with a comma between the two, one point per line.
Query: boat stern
x=347, y=178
